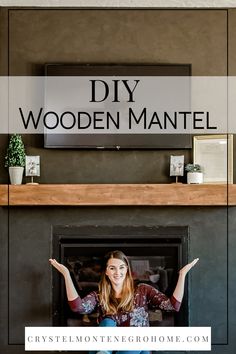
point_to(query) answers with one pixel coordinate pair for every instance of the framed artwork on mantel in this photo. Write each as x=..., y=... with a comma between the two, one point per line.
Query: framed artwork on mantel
x=214, y=153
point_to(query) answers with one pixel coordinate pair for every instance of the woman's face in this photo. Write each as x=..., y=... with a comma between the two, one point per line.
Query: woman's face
x=116, y=271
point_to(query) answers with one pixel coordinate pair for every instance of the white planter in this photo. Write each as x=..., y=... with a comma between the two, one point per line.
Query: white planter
x=16, y=174
x=194, y=177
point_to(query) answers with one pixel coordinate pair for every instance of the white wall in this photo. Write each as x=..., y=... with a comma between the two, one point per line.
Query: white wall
x=123, y=3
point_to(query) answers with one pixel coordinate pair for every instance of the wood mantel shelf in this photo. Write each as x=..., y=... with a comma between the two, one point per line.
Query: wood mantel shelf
x=118, y=194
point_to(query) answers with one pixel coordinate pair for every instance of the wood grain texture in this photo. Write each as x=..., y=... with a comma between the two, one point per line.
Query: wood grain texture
x=118, y=194
x=3, y=194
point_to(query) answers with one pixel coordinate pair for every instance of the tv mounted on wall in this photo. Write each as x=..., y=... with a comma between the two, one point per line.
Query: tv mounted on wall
x=119, y=141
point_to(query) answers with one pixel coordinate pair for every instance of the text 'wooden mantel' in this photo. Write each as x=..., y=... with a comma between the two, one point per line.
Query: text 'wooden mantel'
x=118, y=194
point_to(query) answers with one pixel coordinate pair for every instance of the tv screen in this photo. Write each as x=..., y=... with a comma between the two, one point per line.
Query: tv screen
x=119, y=141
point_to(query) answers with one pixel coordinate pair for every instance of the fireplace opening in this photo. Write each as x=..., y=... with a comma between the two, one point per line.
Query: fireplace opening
x=155, y=254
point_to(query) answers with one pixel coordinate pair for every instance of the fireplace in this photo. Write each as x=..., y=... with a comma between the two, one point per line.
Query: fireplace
x=155, y=254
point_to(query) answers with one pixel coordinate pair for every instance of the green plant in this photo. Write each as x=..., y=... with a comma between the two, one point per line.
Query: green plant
x=15, y=152
x=191, y=167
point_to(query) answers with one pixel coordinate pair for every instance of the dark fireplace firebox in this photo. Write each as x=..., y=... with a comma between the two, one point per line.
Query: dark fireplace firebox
x=155, y=253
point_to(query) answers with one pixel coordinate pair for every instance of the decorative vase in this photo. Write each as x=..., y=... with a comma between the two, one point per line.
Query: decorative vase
x=194, y=177
x=16, y=174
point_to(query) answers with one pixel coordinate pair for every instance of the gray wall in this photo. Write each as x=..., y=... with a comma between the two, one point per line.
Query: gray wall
x=42, y=36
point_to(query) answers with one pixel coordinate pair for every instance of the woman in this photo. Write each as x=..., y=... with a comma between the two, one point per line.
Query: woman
x=119, y=303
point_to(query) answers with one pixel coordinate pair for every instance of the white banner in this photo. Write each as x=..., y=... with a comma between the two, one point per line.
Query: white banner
x=118, y=338
x=120, y=105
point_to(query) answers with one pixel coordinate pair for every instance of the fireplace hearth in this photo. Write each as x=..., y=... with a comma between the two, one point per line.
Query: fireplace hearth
x=155, y=254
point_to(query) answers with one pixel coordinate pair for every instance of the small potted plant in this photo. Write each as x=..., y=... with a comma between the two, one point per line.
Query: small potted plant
x=15, y=159
x=194, y=173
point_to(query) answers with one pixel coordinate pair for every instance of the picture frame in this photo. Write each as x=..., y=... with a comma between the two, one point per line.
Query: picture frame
x=214, y=153
x=32, y=165
x=176, y=165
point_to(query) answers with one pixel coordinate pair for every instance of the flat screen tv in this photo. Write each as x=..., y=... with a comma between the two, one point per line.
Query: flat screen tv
x=119, y=141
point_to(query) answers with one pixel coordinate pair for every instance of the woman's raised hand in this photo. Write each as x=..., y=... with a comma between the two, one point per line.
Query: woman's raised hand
x=179, y=289
x=70, y=288
x=187, y=267
x=60, y=267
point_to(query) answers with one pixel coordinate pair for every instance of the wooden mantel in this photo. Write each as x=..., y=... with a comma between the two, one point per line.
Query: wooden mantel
x=118, y=194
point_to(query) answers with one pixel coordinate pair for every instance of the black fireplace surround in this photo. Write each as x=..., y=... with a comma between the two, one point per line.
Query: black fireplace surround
x=155, y=253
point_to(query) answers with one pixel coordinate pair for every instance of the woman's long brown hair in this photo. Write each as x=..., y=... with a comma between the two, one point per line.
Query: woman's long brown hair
x=107, y=298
